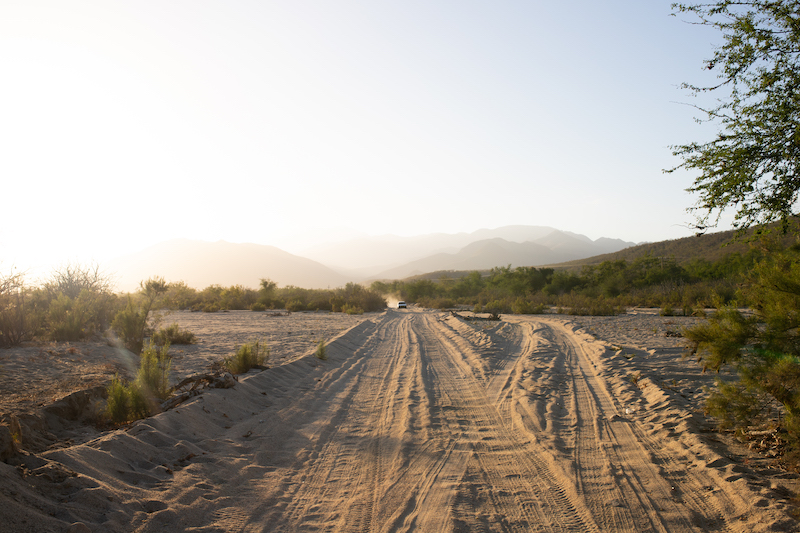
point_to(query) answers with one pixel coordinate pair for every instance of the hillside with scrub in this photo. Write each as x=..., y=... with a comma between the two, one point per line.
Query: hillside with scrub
x=681, y=277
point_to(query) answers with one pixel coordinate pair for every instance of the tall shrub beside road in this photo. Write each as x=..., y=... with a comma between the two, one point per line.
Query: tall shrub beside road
x=131, y=323
x=751, y=168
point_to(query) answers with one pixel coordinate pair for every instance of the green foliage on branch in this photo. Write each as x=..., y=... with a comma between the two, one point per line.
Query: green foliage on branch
x=752, y=164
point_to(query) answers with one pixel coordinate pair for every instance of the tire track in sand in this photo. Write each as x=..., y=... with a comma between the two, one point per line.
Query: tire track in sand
x=506, y=486
x=618, y=469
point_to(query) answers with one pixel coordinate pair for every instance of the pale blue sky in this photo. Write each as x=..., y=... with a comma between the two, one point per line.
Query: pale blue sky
x=123, y=124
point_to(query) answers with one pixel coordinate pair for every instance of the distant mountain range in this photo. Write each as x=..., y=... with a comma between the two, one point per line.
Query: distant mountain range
x=201, y=264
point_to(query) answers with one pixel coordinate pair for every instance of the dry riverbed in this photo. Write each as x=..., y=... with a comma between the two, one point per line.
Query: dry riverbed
x=418, y=421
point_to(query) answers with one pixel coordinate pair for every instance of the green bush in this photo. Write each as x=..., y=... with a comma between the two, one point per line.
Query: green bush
x=763, y=349
x=118, y=406
x=352, y=310
x=154, y=369
x=322, y=350
x=75, y=303
x=495, y=308
x=74, y=319
x=126, y=402
x=14, y=327
x=258, y=306
x=250, y=355
x=173, y=334
x=526, y=307
x=130, y=326
x=667, y=310
x=131, y=323
x=132, y=401
x=295, y=305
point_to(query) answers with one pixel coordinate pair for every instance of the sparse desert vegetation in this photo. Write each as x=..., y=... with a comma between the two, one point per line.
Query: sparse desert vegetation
x=594, y=289
x=253, y=354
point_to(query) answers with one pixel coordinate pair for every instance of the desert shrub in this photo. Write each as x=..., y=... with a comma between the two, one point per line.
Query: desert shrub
x=130, y=326
x=295, y=305
x=734, y=405
x=73, y=304
x=251, y=355
x=321, y=351
x=126, y=402
x=237, y=297
x=258, y=306
x=580, y=305
x=14, y=327
x=763, y=349
x=337, y=302
x=132, y=401
x=441, y=303
x=667, y=310
x=719, y=341
x=74, y=319
x=65, y=319
x=522, y=306
x=495, y=308
x=72, y=279
x=178, y=296
x=173, y=334
x=118, y=406
x=154, y=368
x=352, y=310
x=131, y=323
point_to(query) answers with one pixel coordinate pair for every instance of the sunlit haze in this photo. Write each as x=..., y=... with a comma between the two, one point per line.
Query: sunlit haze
x=123, y=124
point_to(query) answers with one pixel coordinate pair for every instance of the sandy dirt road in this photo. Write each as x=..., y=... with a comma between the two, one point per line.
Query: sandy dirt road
x=417, y=421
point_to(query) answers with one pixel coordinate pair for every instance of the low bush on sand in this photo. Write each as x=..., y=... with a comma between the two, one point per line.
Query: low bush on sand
x=132, y=324
x=322, y=350
x=173, y=334
x=154, y=368
x=251, y=355
x=138, y=399
x=126, y=402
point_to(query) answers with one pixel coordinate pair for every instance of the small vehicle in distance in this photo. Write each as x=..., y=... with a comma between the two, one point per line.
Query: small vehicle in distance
x=401, y=305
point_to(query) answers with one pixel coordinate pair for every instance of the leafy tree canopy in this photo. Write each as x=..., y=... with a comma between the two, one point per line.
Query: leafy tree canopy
x=752, y=164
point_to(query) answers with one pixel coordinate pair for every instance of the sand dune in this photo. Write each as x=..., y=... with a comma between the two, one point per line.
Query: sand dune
x=419, y=421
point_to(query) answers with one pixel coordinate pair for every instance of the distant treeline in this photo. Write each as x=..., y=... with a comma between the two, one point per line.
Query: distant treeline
x=605, y=288
x=78, y=302
x=352, y=298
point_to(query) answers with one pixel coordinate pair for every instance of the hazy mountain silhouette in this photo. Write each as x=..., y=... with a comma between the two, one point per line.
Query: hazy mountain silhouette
x=366, y=256
x=554, y=247
x=201, y=264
